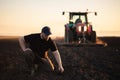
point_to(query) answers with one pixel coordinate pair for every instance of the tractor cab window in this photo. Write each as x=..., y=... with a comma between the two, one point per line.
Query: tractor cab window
x=83, y=19
x=80, y=19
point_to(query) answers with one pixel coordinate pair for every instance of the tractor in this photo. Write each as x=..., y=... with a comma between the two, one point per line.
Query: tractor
x=78, y=29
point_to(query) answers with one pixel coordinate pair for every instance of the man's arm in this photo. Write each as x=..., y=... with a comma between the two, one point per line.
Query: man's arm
x=23, y=44
x=58, y=59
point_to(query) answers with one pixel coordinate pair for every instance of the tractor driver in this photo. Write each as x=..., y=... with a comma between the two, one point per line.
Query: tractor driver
x=78, y=21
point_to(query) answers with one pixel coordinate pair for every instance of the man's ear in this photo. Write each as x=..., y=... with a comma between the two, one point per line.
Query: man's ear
x=41, y=35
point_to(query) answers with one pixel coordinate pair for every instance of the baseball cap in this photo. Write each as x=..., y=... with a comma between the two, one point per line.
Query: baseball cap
x=46, y=30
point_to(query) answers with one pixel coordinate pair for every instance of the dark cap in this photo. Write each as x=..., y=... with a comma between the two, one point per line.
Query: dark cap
x=46, y=30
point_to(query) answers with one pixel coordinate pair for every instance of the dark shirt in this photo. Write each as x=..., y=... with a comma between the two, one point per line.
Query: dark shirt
x=38, y=45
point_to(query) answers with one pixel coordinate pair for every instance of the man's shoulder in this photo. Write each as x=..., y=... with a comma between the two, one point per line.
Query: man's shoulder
x=50, y=39
x=33, y=34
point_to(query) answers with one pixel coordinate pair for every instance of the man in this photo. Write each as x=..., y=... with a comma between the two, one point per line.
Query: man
x=38, y=45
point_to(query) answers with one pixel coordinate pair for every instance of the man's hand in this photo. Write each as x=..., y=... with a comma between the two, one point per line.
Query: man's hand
x=27, y=49
x=61, y=69
x=58, y=59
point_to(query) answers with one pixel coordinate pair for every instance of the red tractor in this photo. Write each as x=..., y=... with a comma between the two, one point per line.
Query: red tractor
x=79, y=29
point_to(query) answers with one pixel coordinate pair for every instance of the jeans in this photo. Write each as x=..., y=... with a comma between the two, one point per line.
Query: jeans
x=44, y=64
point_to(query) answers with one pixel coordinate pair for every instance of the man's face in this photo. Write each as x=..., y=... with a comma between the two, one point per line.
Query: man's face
x=44, y=36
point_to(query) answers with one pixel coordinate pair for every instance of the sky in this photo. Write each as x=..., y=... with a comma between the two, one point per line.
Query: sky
x=22, y=17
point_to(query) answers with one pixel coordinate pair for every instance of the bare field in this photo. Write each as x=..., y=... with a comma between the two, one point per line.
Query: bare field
x=80, y=63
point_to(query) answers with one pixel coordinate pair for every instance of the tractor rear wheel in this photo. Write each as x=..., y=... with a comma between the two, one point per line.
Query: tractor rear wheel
x=68, y=36
x=93, y=36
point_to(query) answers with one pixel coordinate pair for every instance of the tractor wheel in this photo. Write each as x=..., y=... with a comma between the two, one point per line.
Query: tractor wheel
x=70, y=36
x=66, y=35
x=87, y=36
x=93, y=36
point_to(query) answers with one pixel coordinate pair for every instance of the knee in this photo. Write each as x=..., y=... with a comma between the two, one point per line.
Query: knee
x=29, y=54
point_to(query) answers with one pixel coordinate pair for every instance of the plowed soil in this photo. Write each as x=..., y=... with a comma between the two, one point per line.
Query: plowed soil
x=80, y=63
